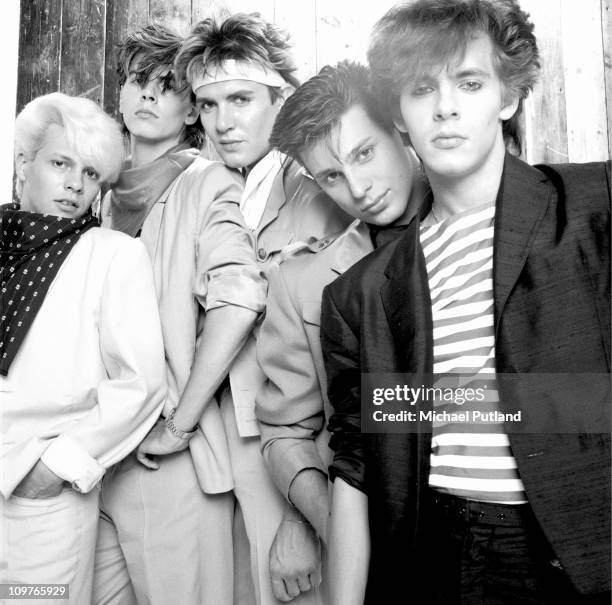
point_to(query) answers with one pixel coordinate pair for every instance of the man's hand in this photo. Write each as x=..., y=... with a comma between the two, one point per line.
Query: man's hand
x=40, y=482
x=159, y=442
x=295, y=559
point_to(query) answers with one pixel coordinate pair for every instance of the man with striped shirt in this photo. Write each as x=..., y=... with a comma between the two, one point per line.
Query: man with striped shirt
x=502, y=284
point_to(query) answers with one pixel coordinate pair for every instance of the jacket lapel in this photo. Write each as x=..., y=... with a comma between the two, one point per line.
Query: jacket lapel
x=521, y=203
x=407, y=304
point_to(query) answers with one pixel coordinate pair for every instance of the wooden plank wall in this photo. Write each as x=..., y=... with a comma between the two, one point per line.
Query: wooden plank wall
x=69, y=45
x=569, y=116
x=9, y=34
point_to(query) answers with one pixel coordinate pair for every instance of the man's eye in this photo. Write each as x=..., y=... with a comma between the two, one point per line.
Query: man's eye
x=90, y=173
x=471, y=86
x=240, y=100
x=365, y=154
x=332, y=178
x=205, y=107
x=167, y=82
x=421, y=90
x=58, y=163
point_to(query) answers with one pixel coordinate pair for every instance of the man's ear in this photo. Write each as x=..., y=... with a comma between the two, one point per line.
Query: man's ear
x=398, y=121
x=509, y=109
x=121, y=99
x=20, y=165
x=192, y=116
x=285, y=93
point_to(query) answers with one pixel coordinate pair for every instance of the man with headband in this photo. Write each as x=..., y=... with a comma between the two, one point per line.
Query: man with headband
x=241, y=72
x=166, y=523
x=81, y=353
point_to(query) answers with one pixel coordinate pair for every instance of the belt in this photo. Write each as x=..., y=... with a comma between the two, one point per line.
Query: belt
x=489, y=513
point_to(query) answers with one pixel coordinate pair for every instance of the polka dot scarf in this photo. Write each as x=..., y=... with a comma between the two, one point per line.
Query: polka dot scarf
x=32, y=249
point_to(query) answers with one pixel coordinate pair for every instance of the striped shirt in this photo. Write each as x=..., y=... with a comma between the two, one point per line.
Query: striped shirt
x=470, y=458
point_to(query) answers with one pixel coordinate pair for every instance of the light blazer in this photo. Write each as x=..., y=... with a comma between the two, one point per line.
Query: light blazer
x=202, y=258
x=297, y=212
x=292, y=404
x=552, y=314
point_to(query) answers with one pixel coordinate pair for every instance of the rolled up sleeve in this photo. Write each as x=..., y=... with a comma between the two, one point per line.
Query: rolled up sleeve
x=227, y=272
x=342, y=364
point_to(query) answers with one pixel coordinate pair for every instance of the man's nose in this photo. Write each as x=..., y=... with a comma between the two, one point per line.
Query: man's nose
x=358, y=184
x=148, y=92
x=446, y=106
x=225, y=119
x=74, y=180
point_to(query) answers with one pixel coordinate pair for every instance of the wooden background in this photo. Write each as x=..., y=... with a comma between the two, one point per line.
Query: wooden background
x=68, y=45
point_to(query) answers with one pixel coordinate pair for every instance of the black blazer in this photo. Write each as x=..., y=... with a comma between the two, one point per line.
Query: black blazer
x=552, y=315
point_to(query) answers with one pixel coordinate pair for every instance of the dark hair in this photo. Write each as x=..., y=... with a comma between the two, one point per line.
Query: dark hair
x=412, y=38
x=155, y=47
x=241, y=37
x=317, y=106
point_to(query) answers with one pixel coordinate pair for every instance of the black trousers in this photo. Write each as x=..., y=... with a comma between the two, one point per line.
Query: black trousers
x=493, y=554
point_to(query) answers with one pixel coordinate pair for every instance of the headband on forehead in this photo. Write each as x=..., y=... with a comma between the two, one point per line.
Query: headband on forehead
x=231, y=69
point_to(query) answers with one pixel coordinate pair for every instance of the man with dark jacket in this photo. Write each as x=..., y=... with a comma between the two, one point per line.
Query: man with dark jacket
x=507, y=272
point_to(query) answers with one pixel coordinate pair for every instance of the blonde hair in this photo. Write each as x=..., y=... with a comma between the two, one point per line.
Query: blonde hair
x=95, y=136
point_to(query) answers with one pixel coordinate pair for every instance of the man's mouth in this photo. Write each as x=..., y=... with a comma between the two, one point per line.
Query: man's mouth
x=145, y=113
x=229, y=144
x=377, y=205
x=448, y=140
x=68, y=204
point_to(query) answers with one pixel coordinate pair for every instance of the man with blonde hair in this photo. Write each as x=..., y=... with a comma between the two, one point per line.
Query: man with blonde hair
x=81, y=354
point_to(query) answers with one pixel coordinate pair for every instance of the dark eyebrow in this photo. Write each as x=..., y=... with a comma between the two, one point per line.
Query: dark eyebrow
x=469, y=72
x=237, y=93
x=202, y=99
x=323, y=173
x=240, y=93
x=363, y=143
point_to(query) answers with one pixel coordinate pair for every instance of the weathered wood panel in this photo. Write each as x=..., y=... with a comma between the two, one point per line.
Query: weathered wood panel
x=342, y=31
x=587, y=129
x=264, y=7
x=9, y=34
x=606, y=34
x=175, y=14
x=546, y=104
x=202, y=9
x=82, y=48
x=122, y=16
x=40, y=39
x=299, y=19
x=569, y=116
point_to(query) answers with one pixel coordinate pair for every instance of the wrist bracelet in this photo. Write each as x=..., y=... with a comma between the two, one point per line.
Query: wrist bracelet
x=169, y=424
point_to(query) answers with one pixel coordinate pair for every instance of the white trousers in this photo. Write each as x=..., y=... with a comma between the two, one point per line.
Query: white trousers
x=50, y=541
x=161, y=539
